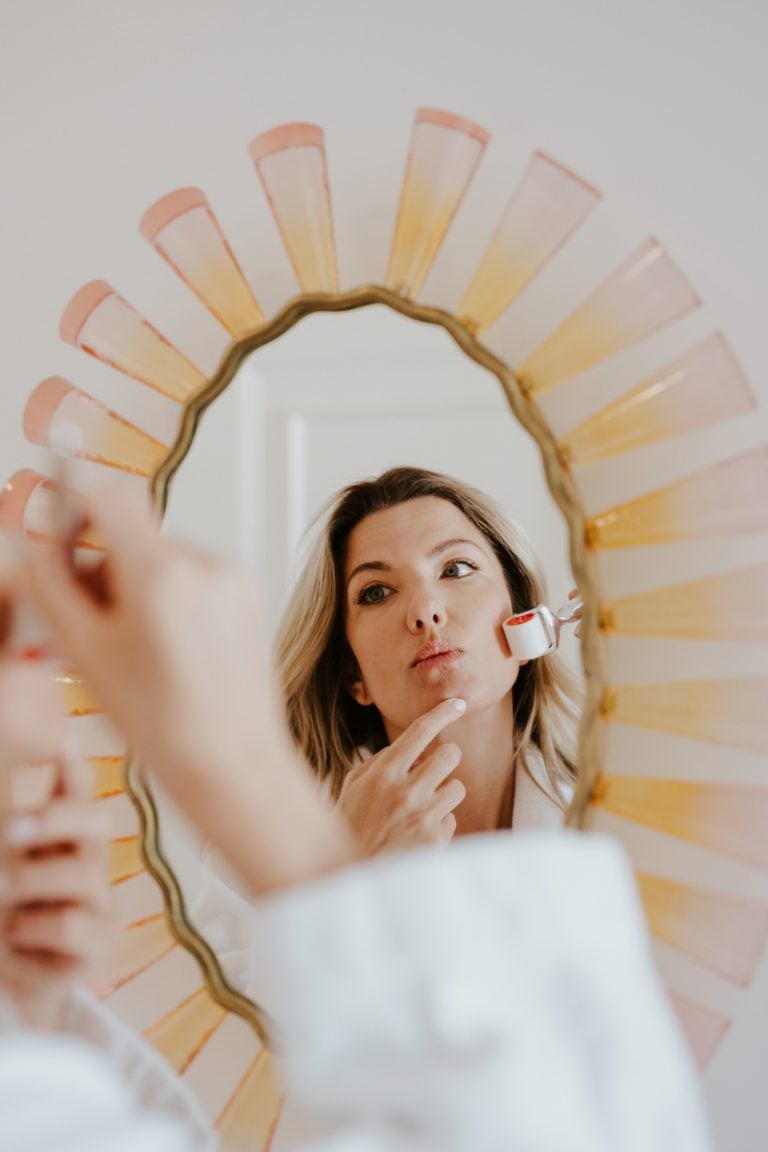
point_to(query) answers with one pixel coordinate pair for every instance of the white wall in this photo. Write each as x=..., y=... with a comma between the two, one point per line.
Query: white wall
x=104, y=106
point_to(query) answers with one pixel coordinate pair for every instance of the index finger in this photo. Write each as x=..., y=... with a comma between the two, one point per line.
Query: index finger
x=418, y=735
x=129, y=531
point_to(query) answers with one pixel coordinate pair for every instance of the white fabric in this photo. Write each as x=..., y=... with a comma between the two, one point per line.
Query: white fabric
x=495, y=996
x=58, y=1093
x=498, y=996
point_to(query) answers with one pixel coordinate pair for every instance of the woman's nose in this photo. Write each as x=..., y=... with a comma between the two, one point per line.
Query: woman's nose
x=425, y=612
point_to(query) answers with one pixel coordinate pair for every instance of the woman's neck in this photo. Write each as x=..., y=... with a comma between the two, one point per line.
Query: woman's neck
x=486, y=770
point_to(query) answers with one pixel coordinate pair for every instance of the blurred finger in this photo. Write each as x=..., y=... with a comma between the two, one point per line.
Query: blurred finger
x=58, y=878
x=64, y=931
x=31, y=718
x=26, y=788
x=64, y=821
x=131, y=534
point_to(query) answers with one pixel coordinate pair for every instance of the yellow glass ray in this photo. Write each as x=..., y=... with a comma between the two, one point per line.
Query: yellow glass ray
x=723, y=933
x=548, y=205
x=125, y=859
x=730, y=712
x=100, y=322
x=142, y=944
x=183, y=229
x=250, y=1116
x=704, y=386
x=444, y=153
x=186, y=1029
x=78, y=699
x=643, y=294
x=108, y=776
x=725, y=607
x=725, y=818
x=730, y=497
x=291, y=165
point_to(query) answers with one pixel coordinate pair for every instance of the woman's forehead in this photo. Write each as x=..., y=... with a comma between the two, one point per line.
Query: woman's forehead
x=417, y=526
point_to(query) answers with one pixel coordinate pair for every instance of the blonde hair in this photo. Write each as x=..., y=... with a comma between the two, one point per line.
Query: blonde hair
x=318, y=667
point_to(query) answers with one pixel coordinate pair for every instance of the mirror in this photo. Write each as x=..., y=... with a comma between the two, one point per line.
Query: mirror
x=673, y=737
x=337, y=399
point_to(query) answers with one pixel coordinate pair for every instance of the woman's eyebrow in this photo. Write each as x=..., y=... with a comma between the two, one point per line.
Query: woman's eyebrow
x=454, y=543
x=381, y=566
x=369, y=566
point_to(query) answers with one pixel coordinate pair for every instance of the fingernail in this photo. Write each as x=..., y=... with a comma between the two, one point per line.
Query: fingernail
x=460, y=705
x=21, y=830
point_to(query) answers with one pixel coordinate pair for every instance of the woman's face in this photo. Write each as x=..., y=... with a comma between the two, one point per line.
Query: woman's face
x=425, y=596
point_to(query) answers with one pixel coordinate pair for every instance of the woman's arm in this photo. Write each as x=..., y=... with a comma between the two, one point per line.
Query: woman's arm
x=175, y=655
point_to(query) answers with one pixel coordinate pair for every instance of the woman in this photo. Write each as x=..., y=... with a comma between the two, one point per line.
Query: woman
x=400, y=606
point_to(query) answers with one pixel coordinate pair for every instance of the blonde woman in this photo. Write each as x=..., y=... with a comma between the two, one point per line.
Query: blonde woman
x=398, y=609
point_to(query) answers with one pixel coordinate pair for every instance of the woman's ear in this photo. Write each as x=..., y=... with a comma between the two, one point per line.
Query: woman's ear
x=360, y=693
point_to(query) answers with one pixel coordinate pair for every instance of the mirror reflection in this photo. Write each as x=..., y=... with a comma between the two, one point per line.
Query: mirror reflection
x=394, y=513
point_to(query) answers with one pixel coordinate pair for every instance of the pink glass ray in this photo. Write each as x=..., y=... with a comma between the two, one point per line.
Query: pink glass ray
x=703, y=1027
x=730, y=497
x=726, y=607
x=724, y=818
x=101, y=323
x=704, y=386
x=60, y=416
x=291, y=164
x=27, y=506
x=645, y=293
x=547, y=207
x=444, y=153
x=730, y=712
x=183, y=229
x=724, y=933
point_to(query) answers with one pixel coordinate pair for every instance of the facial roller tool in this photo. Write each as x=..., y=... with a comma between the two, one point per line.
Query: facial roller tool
x=532, y=634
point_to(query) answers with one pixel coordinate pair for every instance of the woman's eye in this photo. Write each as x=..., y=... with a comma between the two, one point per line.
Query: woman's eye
x=373, y=594
x=459, y=568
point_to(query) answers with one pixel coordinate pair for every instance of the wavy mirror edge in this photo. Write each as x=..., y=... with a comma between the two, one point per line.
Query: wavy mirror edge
x=564, y=492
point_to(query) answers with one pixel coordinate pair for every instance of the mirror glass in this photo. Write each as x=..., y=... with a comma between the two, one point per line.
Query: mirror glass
x=338, y=398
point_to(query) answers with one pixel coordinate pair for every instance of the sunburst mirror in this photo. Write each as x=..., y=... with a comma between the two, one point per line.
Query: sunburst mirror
x=670, y=746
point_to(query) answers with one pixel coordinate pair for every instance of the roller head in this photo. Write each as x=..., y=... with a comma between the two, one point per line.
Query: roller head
x=530, y=634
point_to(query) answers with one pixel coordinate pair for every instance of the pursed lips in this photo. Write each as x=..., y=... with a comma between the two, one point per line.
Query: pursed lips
x=431, y=651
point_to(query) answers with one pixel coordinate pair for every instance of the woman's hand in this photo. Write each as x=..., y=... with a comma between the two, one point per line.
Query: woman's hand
x=170, y=643
x=55, y=924
x=573, y=595
x=169, y=640
x=400, y=796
